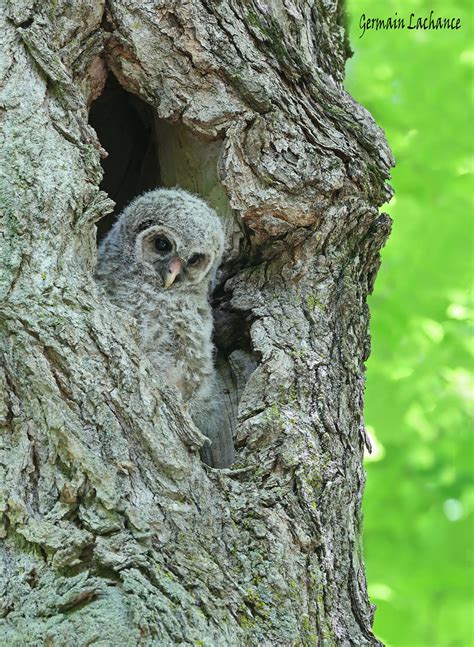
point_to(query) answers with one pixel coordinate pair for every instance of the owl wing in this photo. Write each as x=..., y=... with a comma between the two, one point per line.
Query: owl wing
x=218, y=420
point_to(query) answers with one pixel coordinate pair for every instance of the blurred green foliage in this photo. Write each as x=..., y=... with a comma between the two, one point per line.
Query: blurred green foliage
x=419, y=500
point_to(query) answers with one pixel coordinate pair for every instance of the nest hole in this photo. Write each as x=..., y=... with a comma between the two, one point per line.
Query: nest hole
x=125, y=127
x=145, y=152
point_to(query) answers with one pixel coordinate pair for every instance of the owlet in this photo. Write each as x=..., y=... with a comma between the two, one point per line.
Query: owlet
x=158, y=262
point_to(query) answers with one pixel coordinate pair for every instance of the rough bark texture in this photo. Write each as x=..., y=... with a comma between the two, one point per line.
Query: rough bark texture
x=114, y=532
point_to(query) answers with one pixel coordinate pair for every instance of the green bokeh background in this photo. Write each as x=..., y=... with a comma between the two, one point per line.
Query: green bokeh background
x=419, y=499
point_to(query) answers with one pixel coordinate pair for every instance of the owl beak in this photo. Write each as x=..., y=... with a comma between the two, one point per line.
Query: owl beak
x=173, y=269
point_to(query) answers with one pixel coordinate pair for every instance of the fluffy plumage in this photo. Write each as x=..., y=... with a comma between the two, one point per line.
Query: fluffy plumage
x=158, y=262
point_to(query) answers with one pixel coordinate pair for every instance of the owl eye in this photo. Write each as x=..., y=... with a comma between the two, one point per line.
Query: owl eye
x=195, y=259
x=162, y=244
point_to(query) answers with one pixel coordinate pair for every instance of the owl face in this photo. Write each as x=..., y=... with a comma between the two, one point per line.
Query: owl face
x=174, y=236
x=176, y=260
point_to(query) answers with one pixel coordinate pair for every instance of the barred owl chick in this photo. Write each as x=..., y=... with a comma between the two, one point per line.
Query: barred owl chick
x=157, y=262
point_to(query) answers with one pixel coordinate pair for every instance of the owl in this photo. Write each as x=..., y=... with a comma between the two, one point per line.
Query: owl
x=158, y=262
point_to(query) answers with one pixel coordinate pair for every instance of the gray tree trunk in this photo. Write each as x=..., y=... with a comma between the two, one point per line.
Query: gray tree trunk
x=114, y=531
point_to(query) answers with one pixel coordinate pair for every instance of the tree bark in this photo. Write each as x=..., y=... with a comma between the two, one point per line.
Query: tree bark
x=114, y=531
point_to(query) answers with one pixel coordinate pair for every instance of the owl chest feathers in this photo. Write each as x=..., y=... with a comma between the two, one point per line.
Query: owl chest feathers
x=175, y=331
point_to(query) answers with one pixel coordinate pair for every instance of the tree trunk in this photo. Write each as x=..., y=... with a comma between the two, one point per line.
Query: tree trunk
x=114, y=531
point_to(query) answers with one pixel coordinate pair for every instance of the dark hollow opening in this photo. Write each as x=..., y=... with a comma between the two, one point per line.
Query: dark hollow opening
x=145, y=152
x=125, y=127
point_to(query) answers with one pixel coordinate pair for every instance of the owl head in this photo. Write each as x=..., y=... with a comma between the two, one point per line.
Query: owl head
x=172, y=236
